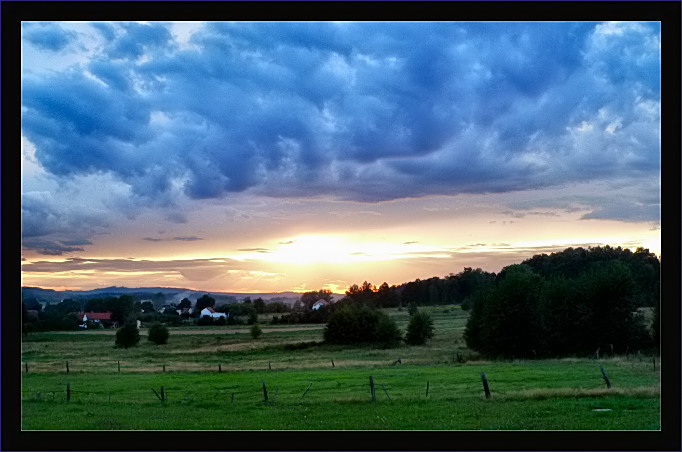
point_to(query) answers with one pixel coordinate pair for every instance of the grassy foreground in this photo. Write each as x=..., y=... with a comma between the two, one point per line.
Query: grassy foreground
x=307, y=392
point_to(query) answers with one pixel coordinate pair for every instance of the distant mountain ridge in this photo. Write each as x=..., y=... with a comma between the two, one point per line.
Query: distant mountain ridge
x=172, y=294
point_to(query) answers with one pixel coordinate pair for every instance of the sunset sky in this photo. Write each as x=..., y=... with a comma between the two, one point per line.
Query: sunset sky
x=275, y=156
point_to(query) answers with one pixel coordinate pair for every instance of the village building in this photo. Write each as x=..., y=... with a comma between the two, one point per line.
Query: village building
x=96, y=317
x=319, y=303
x=210, y=312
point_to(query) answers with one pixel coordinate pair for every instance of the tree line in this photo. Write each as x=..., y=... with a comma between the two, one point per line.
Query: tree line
x=575, y=302
x=558, y=304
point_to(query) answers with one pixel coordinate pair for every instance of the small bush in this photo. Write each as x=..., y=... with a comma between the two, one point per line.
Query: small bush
x=387, y=332
x=128, y=335
x=358, y=324
x=412, y=309
x=420, y=329
x=256, y=331
x=158, y=334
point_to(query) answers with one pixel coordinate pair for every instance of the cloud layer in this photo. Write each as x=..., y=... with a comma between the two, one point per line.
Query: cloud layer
x=129, y=120
x=358, y=111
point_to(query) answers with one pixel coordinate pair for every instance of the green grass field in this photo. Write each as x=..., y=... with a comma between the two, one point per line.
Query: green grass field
x=306, y=392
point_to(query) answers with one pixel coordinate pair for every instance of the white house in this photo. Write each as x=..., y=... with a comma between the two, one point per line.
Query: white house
x=210, y=312
x=319, y=303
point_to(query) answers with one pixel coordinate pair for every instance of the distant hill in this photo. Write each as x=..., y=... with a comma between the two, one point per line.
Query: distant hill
x=172, y=294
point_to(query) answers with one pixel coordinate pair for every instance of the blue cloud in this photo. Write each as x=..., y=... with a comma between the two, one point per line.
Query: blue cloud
x=138, y=38
x=48, y=36
x=361, y=111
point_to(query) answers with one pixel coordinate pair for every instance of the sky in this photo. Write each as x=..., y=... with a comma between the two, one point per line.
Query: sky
x=277, y=156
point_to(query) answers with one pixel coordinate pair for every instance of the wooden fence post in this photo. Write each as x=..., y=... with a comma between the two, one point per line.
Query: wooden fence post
x=274, y=400
x=67, y=367
x=68, y=392
x=427, y=388
x=163, y=395
x=219, y=368
x=306, y=390
x=164, y=367
x=119, y=366
x=269, y=365
x=384, y=386
x=371, y=387
x=265, y=392
x=332, y=363
x=606, y=377
x=485, y=385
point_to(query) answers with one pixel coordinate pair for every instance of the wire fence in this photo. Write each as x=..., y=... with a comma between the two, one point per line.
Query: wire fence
x=280, y=388
x=634, y=362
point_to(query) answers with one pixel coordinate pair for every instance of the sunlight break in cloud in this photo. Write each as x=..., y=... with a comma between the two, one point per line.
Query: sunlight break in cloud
x=232, y=136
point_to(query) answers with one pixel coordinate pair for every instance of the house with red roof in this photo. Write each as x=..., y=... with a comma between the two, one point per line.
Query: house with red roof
x=94, y=316
x=210, y=312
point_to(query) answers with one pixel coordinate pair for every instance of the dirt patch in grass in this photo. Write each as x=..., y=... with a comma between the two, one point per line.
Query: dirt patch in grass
x=245, y=330
x=555, y=393
x=192, y=331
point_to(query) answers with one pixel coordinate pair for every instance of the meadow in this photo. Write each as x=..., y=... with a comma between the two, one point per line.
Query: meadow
x=216, y=378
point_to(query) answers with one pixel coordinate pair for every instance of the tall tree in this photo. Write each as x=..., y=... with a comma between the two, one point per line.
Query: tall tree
x=184, y=303
x=503, y=321
x=205, y=301
x=259, y=305
x=121, y=308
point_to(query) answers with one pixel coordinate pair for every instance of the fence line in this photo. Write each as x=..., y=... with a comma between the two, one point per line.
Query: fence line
x=325, y=389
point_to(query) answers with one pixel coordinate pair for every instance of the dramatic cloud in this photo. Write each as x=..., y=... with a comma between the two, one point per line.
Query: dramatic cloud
x=357, y=111
x=51, y=248
x=303, y=150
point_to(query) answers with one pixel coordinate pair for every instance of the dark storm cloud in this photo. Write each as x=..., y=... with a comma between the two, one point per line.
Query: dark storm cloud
x=43, y=214
x=50, y=248
x=356, y=111
x=625, y=210
x=75, y=242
